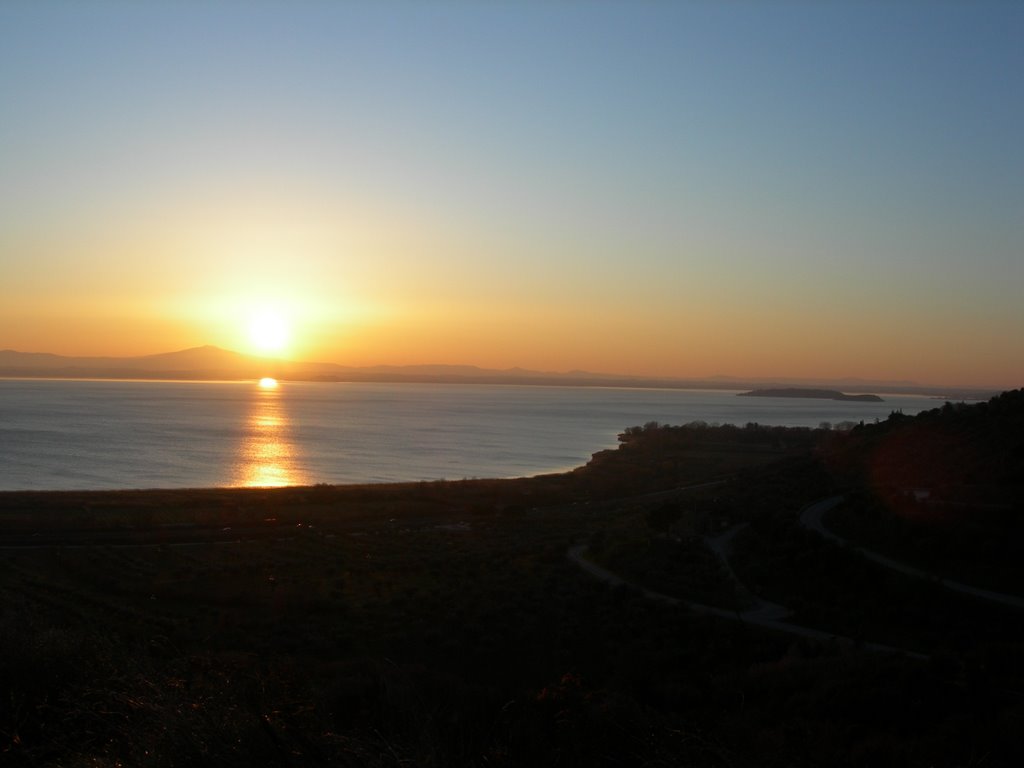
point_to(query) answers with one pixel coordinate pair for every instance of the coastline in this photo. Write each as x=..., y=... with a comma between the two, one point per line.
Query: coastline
x=541, y=380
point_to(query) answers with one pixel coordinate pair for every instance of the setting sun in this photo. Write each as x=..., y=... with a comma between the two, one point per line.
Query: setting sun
x=268, y=331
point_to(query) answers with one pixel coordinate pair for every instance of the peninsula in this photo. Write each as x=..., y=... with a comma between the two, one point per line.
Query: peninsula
x=819, y=394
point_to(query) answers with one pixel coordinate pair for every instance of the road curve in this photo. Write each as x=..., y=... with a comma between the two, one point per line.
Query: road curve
x=721, y=545
x=757, y=616
x=811, y=517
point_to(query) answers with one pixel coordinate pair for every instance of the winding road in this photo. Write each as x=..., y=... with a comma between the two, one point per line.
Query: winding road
x=812, y=518
x=771, y=615
x=762, y=614
x=721, y=545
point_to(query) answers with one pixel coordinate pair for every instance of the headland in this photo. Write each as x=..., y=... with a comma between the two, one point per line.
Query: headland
x=817, y=394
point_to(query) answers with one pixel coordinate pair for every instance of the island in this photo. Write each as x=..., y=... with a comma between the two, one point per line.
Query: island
x=819, y=394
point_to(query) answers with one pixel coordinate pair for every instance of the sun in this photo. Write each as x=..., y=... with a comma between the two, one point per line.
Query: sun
x=269, y=331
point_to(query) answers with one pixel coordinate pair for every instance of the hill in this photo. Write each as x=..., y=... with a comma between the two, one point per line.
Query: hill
x=446, y=623
x=943, y=490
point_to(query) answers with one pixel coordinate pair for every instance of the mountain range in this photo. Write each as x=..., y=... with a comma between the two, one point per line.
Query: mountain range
x=210, y=363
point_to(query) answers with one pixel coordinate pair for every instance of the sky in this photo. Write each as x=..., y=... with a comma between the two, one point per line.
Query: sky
x=690, y=189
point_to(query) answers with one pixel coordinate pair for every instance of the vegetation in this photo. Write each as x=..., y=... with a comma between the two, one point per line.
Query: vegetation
x=943, y=490
x=442, y=624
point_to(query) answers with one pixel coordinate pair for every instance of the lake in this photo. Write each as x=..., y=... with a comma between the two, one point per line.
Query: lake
x=66, y=435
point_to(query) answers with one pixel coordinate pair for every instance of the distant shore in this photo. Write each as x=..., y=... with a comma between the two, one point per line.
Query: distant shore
x=936, y=393
x=815, y=394
x=210, y=363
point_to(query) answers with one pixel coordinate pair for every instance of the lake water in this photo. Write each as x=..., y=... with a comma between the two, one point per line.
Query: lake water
x=65, y=435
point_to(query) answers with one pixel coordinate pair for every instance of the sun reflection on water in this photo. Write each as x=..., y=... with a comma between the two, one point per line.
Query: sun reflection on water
x=266, y=455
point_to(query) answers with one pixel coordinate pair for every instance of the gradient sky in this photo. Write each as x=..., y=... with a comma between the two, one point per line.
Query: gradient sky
x=685, y=189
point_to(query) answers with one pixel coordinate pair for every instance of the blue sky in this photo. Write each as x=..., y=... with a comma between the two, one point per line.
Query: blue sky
x=825, y=187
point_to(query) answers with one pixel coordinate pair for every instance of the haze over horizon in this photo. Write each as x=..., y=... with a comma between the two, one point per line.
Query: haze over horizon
x=666, y=190
x=212, y=363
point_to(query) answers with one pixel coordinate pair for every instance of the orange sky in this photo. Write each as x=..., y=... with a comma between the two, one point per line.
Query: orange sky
x=670, y=191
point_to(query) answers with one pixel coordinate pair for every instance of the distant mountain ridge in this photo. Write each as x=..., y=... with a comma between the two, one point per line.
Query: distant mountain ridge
x=195, y=360
x=214, y=363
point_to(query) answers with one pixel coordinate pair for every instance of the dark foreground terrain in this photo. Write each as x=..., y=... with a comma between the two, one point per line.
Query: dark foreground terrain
x=443, y=624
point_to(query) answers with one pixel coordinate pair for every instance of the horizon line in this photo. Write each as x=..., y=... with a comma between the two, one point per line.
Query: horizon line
x=512, y=372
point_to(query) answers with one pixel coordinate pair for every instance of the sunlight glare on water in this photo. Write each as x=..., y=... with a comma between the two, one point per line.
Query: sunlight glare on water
x=266, y=455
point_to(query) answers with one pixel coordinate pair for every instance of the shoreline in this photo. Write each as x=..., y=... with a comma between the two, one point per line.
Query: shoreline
x=641, y=383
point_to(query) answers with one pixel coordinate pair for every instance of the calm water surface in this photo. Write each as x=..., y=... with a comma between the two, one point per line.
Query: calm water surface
x=66, y=435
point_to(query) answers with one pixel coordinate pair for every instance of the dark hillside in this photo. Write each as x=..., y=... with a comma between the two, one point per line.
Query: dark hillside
x=445, y=624
x=954, y=446
x=943, y=489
